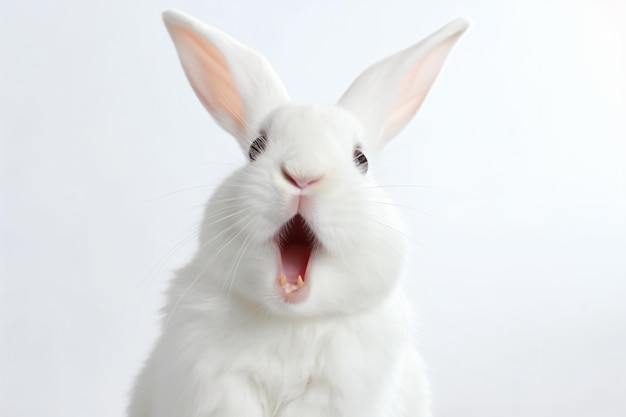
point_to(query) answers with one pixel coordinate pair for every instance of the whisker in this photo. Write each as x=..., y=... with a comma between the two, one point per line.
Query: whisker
x=204, y=267
x=394, y=229
x=367, y=230
x=234, y=269
x=388, y=203
x=429, y=187
x=157, y=268
x=177, y=192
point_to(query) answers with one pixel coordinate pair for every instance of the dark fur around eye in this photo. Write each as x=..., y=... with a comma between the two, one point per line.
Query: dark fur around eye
x=360, y=160
x=257, y=147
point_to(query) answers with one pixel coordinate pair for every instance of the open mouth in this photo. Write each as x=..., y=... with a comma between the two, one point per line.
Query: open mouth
x=296, y=242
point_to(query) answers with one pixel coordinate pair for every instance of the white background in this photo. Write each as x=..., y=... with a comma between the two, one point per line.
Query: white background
x=513, y=175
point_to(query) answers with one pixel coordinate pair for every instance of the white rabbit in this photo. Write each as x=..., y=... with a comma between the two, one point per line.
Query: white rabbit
x=290, y=308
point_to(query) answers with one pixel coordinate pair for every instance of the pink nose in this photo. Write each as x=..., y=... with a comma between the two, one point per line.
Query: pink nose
x=300, y=182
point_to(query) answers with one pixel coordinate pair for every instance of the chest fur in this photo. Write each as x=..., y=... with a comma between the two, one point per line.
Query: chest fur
x=283, y=361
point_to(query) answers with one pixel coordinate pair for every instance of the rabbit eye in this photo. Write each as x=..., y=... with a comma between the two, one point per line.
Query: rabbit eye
x=360, y=160
x=257, y=147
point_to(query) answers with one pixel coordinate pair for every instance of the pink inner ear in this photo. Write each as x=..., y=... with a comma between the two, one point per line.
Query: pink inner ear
x=415, y=86
x=409, y=100
x=210, y=76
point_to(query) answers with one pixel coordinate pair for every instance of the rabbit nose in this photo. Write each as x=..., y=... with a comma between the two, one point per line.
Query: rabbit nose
x=300, y=181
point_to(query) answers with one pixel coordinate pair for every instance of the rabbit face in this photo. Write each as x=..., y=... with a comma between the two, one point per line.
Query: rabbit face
x=314, y=233
x=302, y=229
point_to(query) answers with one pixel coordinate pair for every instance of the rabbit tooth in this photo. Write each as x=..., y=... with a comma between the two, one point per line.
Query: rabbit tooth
x=290, y=288
x=283, y=281
x=300, y=281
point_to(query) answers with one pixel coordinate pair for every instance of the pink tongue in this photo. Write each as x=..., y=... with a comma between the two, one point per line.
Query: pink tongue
x=295, y=257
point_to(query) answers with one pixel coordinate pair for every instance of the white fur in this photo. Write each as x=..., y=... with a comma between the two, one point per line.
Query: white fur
x=231, y=345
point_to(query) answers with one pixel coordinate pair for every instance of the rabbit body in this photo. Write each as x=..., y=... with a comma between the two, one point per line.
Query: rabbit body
x=290, y=307
x=268, y=367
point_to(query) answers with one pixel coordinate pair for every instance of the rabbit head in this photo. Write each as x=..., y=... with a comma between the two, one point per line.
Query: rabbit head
x=302, y=229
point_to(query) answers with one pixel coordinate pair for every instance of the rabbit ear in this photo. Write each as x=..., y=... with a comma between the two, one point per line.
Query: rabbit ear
x=235, y=84
x=388, y=94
